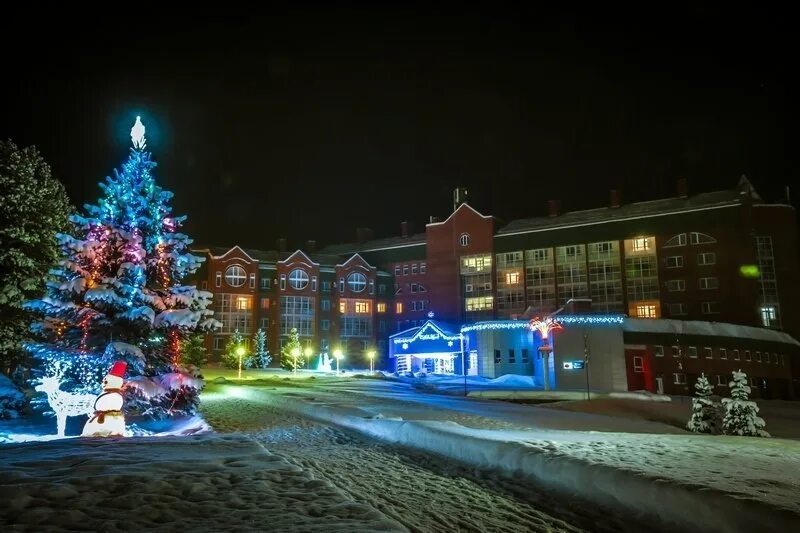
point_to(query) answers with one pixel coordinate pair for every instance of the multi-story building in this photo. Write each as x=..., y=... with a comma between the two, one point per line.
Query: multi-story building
x=724, y=256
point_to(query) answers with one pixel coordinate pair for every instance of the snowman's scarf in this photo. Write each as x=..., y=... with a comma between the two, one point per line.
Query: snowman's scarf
x=100, y=416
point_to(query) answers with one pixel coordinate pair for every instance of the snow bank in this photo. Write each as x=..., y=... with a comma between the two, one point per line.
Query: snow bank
x=513, y=380
x=552, y=459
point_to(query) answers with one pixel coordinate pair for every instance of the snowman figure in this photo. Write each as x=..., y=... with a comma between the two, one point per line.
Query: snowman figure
x=108, y=420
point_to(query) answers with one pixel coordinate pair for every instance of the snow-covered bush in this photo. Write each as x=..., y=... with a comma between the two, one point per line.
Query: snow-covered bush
x=741, y=414
x=705, y=412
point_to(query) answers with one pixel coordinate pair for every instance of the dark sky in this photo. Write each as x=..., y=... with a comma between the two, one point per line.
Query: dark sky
x=306, y=124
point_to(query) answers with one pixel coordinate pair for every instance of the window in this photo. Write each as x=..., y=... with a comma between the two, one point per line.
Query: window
x=468, y=287
x=414, y=268
x=753, y=383
x=219, y=343
x=341, y=285
x=646, y=311
x=362, y=307
x=422, y=268
x=264, y=304
x=381, y=290
x=700, y=238
x=479, y=303
x=476, y=263
x=372, y=286
x=325, y=305
x=398, y=307
x=512, y=278
x=676, y=285
x=747, y=355
x=463, y=240
x=723, y=353
x=758, y=357
x=708, y=352
x=382, y=326
x=692, y=352
x=736, y=355
x=679, y=379
x=423, y=304
x=421, y=288
x=342, y=306
x=677, y=309
x=264, y=322
x=381, y=307
x=497, y=357
x=242, y=303
x=352, y=326
x=570, y=251
x=413, y=306
x=638, y=363
x=768, y=316
x=218, y=280
x=709, y=283
x=297, y=312
x=298, y=279
x=708, y=258
x=676, y=351
x=235, y=276
x=326, y=286
x=525, y=356
x=775, y=359
x=283, y=282
x=397, y=271
x=512, y=358
x=357, y=282
x=252, y=281
x=204, y=285
x=675, y=261
x=658, y=350
x=677, y=240
x=325, y=324
x=265, y=281
x=710, y=308
x=413, y=287
x=641, y=244
x=721, y=381
x=405, y=270
x=313, y=283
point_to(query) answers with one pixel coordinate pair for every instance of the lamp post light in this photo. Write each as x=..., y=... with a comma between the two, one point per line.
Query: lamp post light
x=295, y=354
x=371, y=355
x=240, y=353
x=337, y=353
x=307, y=352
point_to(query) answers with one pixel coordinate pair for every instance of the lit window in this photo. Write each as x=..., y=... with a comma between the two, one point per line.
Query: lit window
x=242, y=303
x=512, y=278
x=646, y=311
x=343, y=306
x=362, y=307
x=464, y=239
x=398, y=307
x=235, y=276
x=768, y=316
x=658, y=351
x=357, y=282
x=298, y=279
x=381, y=307
x=479, y=303
x=638, y=364
x=265, y=304
x=641, y=244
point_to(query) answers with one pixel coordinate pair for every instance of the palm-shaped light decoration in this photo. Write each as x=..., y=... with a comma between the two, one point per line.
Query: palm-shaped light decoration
x=544, y=326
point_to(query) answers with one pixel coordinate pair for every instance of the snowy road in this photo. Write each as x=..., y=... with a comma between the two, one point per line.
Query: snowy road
x=424, y=493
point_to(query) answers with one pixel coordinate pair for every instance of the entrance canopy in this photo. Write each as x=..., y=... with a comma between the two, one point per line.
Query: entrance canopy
x=429, y=340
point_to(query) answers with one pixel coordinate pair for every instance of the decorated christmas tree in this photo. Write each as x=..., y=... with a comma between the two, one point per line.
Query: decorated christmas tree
x=741, y=415
x=261, y=353
x=292, y=353
x=704, y=410
x=117, y=294
x=231, y=355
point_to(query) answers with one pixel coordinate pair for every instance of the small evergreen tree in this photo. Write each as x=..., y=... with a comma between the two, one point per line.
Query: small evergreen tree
x=230, y=358
x=261, y=353
x=287, y=359
x=194, y=351
x=704, y=410
x=741, y=415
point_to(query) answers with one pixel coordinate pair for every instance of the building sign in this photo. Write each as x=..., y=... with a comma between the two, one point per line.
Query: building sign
x=573, y=365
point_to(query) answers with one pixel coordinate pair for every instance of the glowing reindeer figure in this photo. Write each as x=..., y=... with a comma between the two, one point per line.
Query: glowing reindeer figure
x=64, y=403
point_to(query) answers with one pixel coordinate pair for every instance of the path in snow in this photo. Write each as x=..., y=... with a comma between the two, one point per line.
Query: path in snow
x=424, y=493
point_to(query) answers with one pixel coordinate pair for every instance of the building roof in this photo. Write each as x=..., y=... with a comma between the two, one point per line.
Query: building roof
x=418, y=239
x=273, y=256
x=697, y=327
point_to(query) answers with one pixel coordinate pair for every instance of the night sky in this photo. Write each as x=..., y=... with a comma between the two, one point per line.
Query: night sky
x=307, y=124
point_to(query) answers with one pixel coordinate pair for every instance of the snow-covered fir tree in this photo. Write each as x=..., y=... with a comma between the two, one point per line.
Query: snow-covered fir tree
x=193, y=351
x=118, y=294
x=260, y=351
x=292, y=352
x=230, y=357
x=741, y=414
x=704, y=410
x=33, y=209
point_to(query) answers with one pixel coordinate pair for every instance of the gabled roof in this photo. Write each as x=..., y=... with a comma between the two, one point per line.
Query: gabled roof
x=418, y=239
x=303, y=257
x=463, y=207
x=354, y=256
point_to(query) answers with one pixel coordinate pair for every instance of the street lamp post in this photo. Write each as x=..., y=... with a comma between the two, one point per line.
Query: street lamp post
x=295, y=354
x=240, y=353
x=307, y=352
x=586, y=353
x=338, y=355
x=371, y=355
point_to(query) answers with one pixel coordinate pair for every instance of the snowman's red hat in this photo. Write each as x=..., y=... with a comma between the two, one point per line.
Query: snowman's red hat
x=118, y=369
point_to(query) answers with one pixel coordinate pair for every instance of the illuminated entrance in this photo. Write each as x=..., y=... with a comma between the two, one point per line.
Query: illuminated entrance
x=429, y=348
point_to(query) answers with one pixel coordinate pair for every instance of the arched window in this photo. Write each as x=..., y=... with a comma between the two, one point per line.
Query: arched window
x=701, y=238
x=357, y=282
x=464, y=239
x=677, y=240
x=298, y=279
x=235, y=276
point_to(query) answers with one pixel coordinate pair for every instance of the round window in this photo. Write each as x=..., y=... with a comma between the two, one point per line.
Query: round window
x=464, y=239
x=357, y=282
x=235, y=276
x=298, y=279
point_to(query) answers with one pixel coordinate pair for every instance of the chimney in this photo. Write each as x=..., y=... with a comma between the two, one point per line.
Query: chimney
x=281, y=244
x=614, y=199
x=459, y=197
x=553, y=207
x=311, y=246
x=363, y=235
x=683, y=188
x=406, y=228
x=433, y=220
